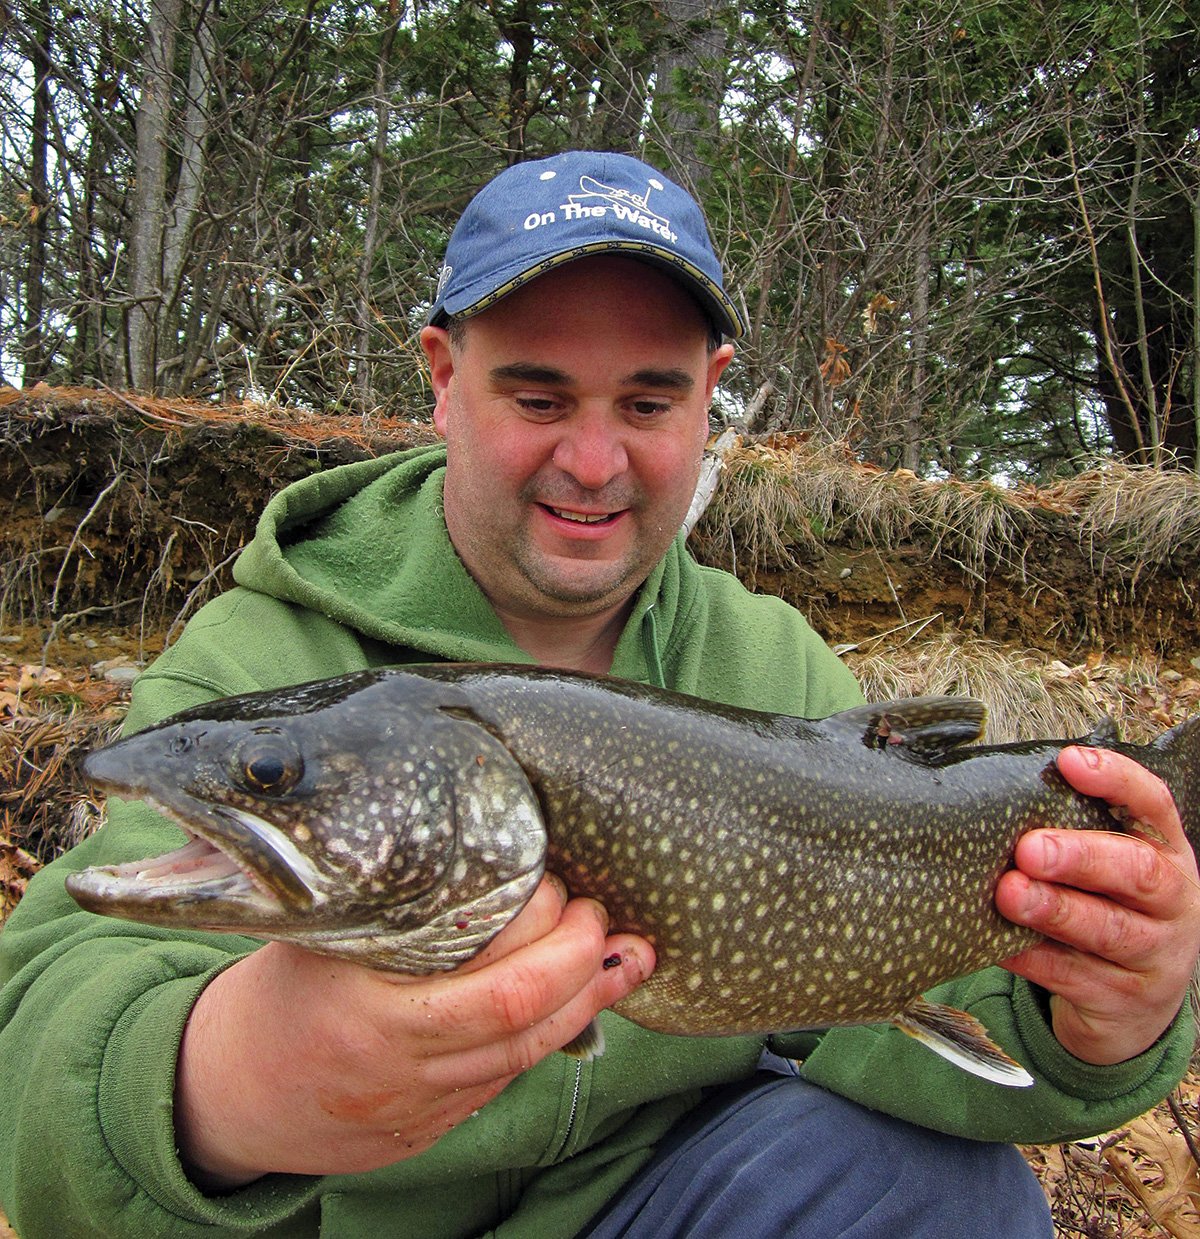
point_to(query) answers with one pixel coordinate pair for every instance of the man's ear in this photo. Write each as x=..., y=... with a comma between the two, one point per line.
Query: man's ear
x=435, y=342
x=717, y=361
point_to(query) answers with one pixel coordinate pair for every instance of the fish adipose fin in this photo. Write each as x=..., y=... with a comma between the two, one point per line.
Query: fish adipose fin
x=925, y=728
x=1104, y=735
x=961, y=1039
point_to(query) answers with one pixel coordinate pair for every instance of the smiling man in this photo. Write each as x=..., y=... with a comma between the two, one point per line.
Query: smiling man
x=568, y=478
x=193, y=1084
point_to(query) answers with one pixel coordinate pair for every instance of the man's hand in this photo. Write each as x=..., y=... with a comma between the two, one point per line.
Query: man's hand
x=1123, y=914
x=299, y=1063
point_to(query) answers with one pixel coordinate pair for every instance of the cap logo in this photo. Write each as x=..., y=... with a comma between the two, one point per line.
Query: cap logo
x=596, y=200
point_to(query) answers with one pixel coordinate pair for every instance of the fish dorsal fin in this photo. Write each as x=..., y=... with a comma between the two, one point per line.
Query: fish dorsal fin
x=925, y=728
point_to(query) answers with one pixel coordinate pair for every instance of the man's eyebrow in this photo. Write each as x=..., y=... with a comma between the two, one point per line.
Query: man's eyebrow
x=669, y=379
x=528, y=372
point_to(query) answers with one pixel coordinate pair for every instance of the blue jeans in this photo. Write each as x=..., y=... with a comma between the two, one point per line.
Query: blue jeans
x=778, y=1158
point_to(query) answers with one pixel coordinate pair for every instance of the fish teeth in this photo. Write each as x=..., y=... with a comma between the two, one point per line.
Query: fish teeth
x=197, y=861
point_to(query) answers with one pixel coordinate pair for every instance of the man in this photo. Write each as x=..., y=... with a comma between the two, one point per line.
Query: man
x=155, y=1083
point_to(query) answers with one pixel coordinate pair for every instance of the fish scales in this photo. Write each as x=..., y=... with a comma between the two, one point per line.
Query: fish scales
x=770, y=885
x=790, y=873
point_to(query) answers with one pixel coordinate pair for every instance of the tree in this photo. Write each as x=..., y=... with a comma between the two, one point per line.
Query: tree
x=149, y=201
x=964, y=235
x=33, y=347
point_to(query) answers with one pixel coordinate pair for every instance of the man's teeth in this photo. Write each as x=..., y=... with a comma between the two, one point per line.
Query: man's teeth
x=582, y=517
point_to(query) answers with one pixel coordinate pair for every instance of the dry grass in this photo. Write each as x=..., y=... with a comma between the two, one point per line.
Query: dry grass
x=1028, y=694
x=1140, y=516
x=379, y=432
x=783, y=496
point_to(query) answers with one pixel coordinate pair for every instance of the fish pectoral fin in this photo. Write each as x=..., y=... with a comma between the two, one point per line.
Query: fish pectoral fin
x=924, y=728
x=961, y=1039
x=588, y=1045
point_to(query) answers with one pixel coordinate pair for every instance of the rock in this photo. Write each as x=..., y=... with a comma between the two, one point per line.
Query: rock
x=117, y=670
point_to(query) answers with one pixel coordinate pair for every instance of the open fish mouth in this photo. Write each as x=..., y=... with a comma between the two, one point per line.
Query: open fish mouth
x=205, y=881
x=199, y=868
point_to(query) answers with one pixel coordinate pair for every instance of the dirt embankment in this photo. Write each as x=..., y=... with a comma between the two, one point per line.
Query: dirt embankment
x=129, y=512
x=122, y=511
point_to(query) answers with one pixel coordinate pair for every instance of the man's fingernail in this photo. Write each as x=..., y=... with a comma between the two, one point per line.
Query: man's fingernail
x=1091, y=757
x=559, y=885
x=1051, y=850
x=601, y=913
x=633, y=967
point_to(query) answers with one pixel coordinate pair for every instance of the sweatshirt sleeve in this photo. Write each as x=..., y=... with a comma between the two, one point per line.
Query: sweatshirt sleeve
x=92, y=1010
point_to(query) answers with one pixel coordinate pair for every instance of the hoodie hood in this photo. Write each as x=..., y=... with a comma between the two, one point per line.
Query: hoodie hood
x=366, y=545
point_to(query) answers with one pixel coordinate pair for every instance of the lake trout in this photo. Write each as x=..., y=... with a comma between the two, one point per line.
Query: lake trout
x=790, y=873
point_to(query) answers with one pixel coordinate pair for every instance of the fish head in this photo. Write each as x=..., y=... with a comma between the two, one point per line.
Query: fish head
x=345, y=815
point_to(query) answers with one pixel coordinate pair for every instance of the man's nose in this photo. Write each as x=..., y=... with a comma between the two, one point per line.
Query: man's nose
x=592, y=449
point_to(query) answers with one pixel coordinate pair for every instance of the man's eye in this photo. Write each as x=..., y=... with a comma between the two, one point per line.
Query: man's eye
x=651, y=408
x=540, y=406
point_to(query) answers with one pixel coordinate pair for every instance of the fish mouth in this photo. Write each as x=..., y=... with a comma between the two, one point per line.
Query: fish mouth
x=196, y=873
x=234, y=870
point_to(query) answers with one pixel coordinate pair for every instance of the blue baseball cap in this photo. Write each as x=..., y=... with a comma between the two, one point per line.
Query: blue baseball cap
x=538, y=215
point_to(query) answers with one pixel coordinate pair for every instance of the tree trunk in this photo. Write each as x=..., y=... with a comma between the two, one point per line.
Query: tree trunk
x=149, y=199
x=914, y=429
x=181, y=215
x=619, y=113
x=687, y=94
x=362, y=369
x=517, y=28
x=35, y=361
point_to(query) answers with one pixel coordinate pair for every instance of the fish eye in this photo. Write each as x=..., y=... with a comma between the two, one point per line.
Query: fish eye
x=268, y=764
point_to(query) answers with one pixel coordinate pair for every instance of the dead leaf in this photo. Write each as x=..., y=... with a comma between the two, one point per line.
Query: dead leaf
x=1155, y=1164
x=881, y=302
x=834, y=368
x=33, y=675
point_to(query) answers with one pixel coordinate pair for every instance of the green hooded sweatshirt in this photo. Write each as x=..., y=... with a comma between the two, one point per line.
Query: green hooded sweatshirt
x=352, y=568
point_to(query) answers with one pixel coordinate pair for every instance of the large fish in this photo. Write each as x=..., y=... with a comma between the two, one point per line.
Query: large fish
x=790, y=873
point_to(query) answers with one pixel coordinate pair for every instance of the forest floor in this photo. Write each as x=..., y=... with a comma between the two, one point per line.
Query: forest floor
x=121, y=515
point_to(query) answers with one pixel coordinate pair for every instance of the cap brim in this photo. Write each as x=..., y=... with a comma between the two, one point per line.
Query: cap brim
x=718, y=307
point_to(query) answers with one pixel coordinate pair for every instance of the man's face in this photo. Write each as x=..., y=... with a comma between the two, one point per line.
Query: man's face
x=575, y=413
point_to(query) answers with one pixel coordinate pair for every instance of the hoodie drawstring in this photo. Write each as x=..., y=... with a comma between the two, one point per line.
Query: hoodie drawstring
x=650, y=648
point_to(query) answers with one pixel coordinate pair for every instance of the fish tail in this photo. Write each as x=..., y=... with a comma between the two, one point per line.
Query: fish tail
x=1177, y=754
